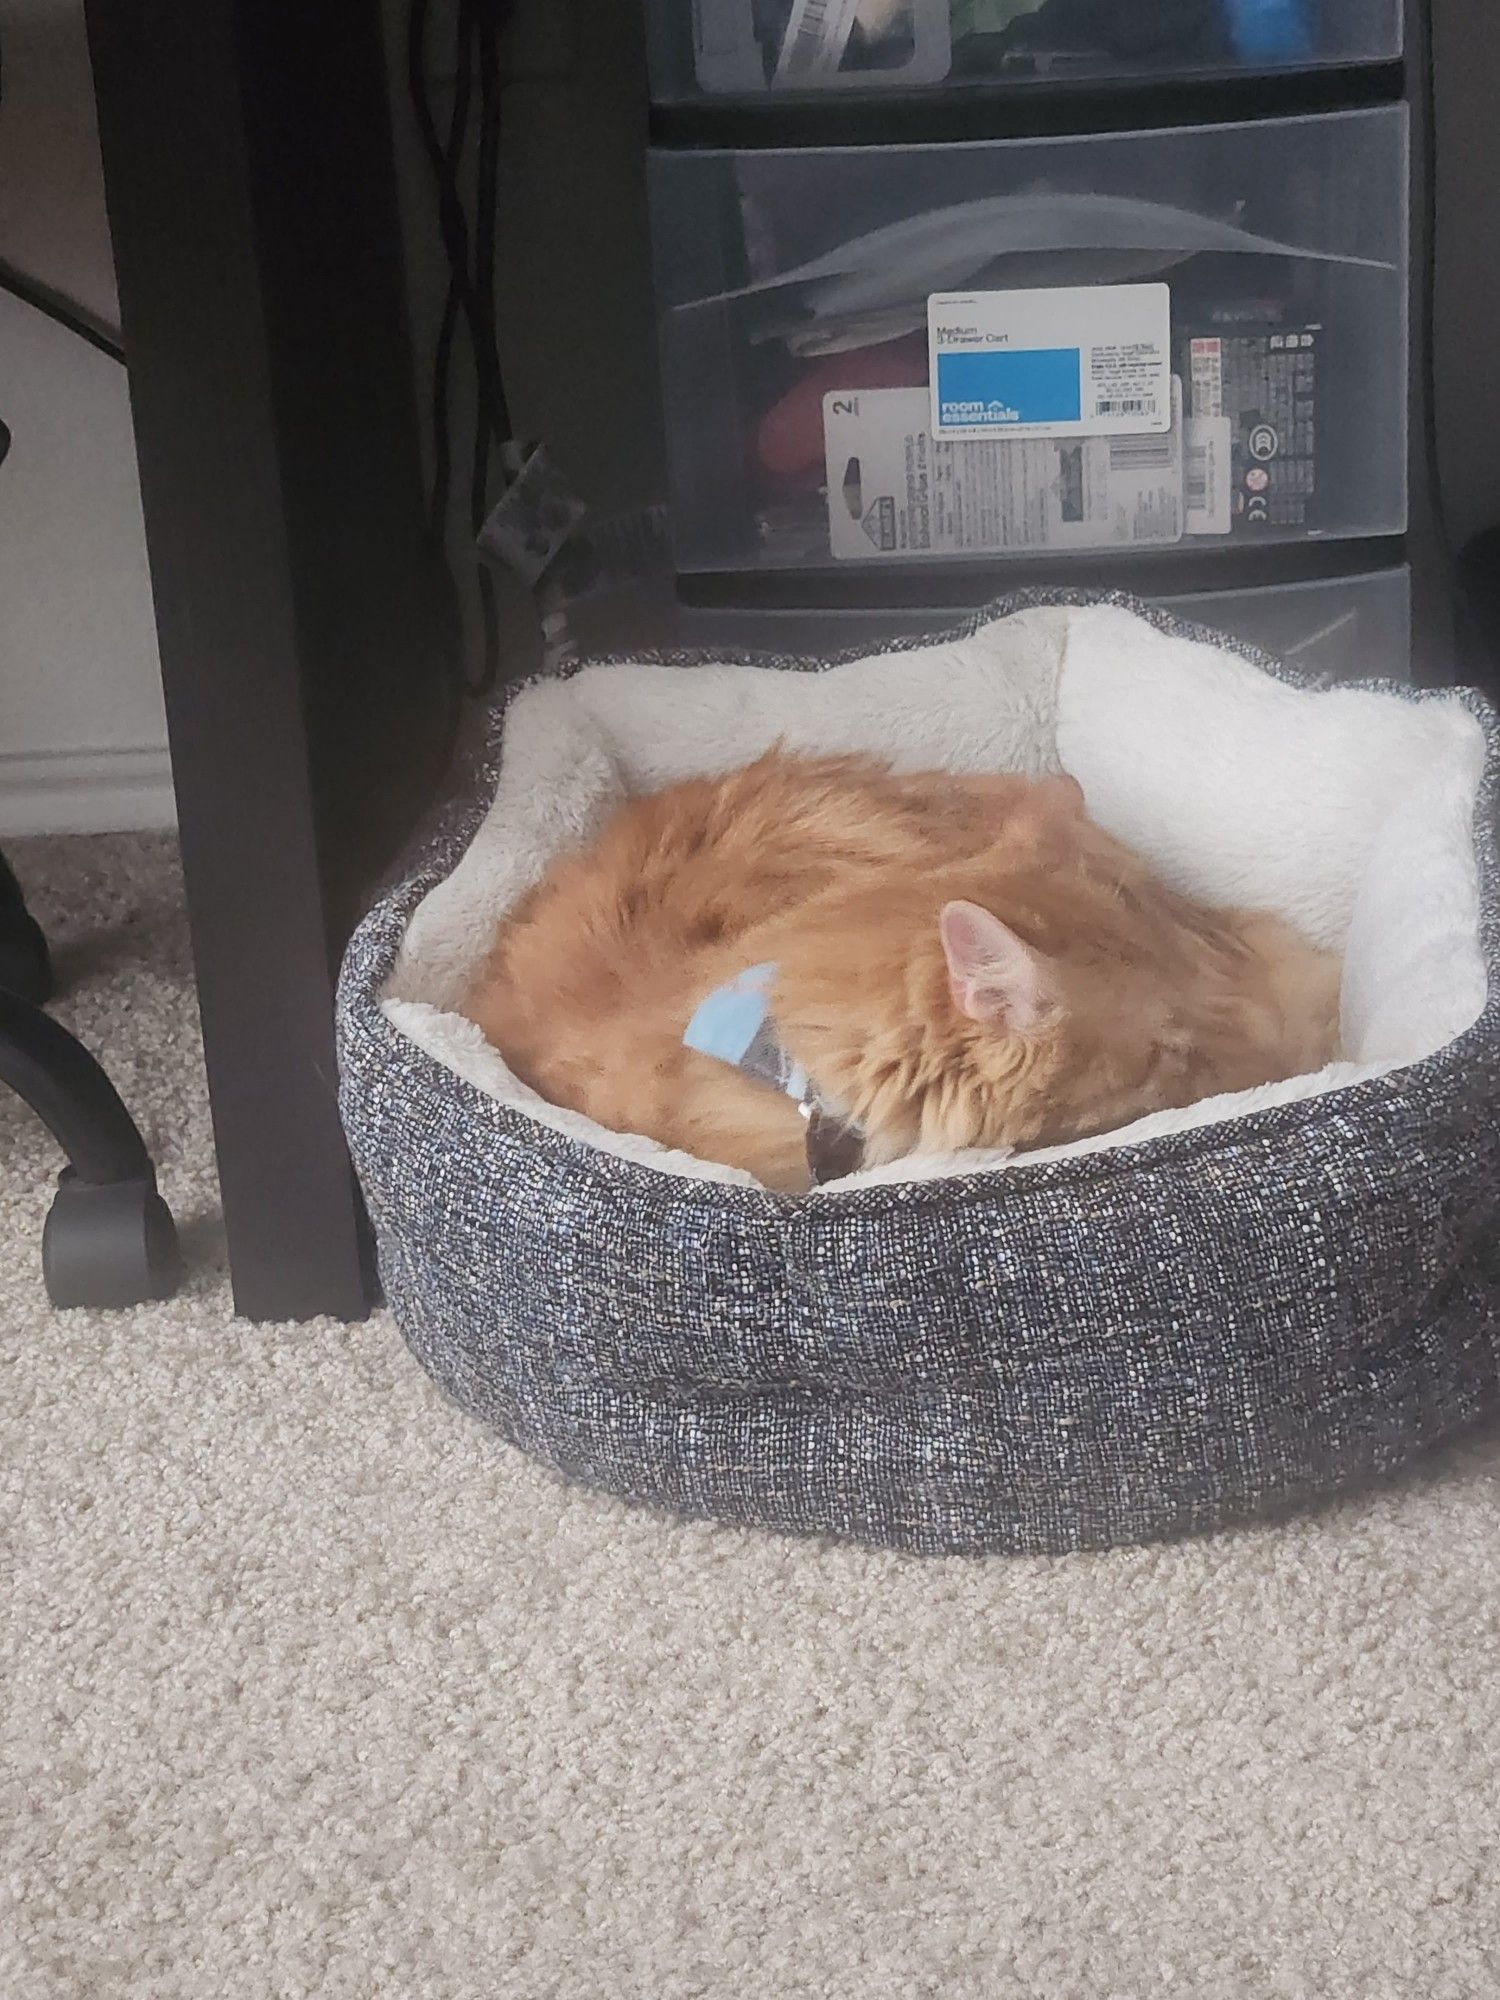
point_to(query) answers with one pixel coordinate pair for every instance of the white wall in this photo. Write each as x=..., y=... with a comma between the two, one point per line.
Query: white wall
x=82, y=732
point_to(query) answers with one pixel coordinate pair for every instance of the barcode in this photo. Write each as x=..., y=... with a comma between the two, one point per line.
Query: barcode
x=1130, y=454
x=1128, y=406
x=1207, y=378
x=1195, y=478
x=1206, y=449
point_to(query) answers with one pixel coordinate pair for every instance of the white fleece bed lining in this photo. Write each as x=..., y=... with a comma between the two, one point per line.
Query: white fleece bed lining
x=1350, y=812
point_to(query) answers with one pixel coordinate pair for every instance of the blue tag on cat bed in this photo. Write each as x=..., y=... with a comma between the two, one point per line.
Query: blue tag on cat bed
x=732, y=1025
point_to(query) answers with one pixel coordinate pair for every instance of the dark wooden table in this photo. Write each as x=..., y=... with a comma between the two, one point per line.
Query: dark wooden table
x=303, y=619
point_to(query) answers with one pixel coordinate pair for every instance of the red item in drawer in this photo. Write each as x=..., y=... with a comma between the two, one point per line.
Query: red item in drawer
x=789, y=442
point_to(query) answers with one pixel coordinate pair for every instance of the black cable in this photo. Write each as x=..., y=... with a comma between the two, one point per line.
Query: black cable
x=491, y=18
x=62, y=312
x=494, y=423
x=52, y=305
x=466, y=291
x=445, y=160
x=442, y=358
x=444, y=156
x=470, y=293
x=451, y=221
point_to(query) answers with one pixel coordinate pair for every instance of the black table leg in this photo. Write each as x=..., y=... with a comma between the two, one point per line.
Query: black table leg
x=303, y=625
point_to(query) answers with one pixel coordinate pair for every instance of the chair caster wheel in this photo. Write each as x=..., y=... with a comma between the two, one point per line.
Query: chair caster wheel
x=110, y=1243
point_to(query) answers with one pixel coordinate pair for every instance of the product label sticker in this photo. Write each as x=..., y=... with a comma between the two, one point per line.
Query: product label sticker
x=1072, y=361
x=895, y=490
x=1260, y=378
x=1207, y=475
x=1206, y=377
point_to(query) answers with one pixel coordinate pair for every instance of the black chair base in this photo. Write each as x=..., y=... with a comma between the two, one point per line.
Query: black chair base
x=109, y=1244
x=109, y=1238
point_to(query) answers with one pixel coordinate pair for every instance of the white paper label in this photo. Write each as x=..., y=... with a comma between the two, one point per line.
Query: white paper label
x=894, y=490
x=1206, y=475
x=1075, y=361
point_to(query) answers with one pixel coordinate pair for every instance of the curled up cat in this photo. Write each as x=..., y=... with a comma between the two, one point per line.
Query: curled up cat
x=820, y=951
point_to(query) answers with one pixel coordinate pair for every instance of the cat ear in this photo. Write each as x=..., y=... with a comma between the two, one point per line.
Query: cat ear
x=992, y=975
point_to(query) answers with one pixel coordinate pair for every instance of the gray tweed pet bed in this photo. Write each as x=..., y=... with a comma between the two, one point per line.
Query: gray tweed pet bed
x=1207, y=1316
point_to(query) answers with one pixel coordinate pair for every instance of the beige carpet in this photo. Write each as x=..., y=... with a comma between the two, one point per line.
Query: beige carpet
x=312, y=1689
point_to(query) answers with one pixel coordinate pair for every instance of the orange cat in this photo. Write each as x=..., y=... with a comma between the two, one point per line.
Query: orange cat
x=956, y=962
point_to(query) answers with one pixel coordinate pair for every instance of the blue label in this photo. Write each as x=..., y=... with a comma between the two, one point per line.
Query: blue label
x=997, y=388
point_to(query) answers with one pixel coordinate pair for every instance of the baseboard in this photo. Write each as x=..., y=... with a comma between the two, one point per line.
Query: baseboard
x=85, y=791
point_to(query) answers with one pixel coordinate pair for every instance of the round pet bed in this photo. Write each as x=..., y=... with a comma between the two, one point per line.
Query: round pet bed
x=1209, y=1316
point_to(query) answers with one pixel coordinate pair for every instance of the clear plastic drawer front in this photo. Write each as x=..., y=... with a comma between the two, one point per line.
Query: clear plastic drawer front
x=798, y=296
x=1349, y=628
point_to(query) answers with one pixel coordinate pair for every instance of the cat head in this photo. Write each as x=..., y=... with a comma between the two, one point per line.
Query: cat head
x=1061, y=1022
x=1037, y=992
x=1073, y=985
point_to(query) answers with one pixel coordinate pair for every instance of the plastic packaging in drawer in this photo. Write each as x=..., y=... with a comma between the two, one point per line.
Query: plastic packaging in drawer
x=893, y=489
x=751, y=48
x=817, y=306
x=1350, y=628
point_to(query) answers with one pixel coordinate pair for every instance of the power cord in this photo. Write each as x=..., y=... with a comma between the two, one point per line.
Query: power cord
x=471, y=257
x=52, y=305
x=62, y=312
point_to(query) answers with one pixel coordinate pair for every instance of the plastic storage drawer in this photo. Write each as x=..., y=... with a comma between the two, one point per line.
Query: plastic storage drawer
x=793, y=288
x=1350, y=628
x=797, y=48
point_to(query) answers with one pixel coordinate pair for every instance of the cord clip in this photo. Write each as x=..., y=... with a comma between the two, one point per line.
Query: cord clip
x=532, y=519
